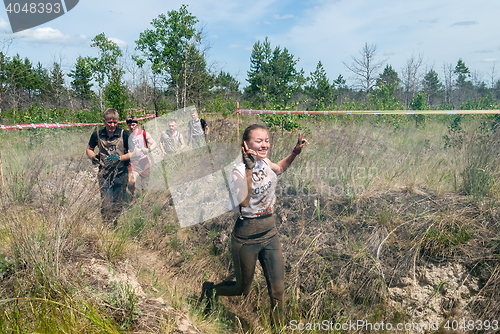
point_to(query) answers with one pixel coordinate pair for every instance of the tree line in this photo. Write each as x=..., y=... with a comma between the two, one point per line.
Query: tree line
x=169, y=70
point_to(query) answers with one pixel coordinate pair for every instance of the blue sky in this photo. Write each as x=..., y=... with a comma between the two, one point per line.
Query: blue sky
x=334, y=31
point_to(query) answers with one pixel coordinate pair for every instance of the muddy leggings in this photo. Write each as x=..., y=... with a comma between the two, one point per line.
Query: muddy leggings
x=271, y=259
x=112, y=192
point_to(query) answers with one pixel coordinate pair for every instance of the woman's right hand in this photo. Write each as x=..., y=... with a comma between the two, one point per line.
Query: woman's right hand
x=248, y=155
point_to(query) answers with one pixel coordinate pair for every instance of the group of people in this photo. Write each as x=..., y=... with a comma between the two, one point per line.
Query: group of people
x=254, y=180
x=123, y=156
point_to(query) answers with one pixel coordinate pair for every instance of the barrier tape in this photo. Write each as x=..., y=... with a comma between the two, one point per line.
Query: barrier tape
x=62, y=124
x=365, y=112
x=272, y=112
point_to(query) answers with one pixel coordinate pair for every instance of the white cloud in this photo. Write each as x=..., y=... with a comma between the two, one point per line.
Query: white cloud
x=118, y=42
x=4, y=24
x=283, y=17
x=48, y=35
x=334, y=32
x=485, y=51
x=234, y=46
x=464, y=23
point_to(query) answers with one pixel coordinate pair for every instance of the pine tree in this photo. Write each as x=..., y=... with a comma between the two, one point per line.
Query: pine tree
x=82, y=79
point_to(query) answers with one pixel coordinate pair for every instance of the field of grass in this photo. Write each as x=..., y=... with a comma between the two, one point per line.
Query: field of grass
x=380, y=220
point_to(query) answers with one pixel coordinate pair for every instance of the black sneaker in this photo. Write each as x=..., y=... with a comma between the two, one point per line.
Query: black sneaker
x=207, y=293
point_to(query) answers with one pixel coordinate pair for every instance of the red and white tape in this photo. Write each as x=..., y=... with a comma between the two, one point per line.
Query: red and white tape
x=62, y=125
x=365, y=112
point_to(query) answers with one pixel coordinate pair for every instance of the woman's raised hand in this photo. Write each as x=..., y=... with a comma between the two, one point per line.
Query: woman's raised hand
x=248, y=155
x=300, y=143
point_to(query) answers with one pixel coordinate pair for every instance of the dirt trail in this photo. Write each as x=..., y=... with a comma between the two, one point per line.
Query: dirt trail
x=156, y=314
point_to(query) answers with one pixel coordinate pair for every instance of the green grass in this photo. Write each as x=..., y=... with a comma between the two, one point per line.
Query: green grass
x=365, y=204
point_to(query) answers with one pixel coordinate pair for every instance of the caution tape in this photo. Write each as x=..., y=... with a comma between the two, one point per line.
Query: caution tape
x=62, y=124
x=365, y=112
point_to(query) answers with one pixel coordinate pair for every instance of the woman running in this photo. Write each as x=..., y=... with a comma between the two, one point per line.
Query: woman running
x=255, y=235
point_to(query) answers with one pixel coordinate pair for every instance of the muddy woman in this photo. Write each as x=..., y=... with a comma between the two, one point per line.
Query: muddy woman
x=255, y=235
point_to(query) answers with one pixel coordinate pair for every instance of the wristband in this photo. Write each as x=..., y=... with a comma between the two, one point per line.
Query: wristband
x=297, y=148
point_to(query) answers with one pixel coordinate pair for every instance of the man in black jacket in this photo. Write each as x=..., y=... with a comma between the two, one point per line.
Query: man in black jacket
x=112, y=159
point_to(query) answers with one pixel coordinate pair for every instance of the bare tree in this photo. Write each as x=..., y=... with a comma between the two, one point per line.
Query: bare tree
x=410, y=76
x=365, y=67
x=131, y=68
x=147, y=88
x=448, y=71
x=478, y=84
x=58, y=88
x=492, y=75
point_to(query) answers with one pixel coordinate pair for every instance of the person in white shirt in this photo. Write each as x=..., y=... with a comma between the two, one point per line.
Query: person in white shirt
x=254, y=235
x=140, y=167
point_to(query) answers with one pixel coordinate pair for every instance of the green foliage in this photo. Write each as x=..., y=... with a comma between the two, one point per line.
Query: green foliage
x=56, y=83
x=419, y=103
x=40, y=114
x=82, y=78
x=225, y=84
x=273, y=78
x=476, y=181
x=115, y=94
x=455, y=136
x=88, y=116
x=383, y=96
x=114, y=245
x=285, y=122
x=351, y=104
x=481, y=103
x=388, y=77
x=445, y=106
x=439, y=238
x=220, y=106
x=122, y=297
x=480, y=163
x=197, y=80
x=172, y=47
x=433, y=88
x=24, y=80
x=6, y=267
x=105, y=66
x=462, y=73
x=320, y=90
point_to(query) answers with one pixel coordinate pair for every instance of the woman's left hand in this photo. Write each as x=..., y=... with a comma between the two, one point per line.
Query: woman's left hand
x=300, y=143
